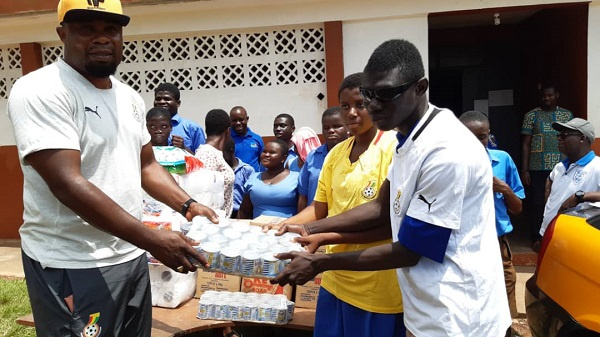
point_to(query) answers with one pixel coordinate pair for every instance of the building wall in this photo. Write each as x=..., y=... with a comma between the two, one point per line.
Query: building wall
x=593, y=78
x=361, y=37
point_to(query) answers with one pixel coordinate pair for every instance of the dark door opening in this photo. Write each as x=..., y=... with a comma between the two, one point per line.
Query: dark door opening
x=496, y=59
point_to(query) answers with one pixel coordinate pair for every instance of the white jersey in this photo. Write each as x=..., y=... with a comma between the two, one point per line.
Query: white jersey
x=582, y=175
x=57, y=108
x=464, y=295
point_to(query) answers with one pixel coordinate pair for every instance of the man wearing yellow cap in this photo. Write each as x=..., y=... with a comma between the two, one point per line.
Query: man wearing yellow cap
x=85, y=152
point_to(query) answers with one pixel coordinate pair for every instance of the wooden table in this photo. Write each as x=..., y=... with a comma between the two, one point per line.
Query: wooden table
x=182, y=321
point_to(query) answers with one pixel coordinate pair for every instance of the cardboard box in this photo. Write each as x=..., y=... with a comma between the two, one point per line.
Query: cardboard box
x=207, y=280
x=263, y=286
x=264, y=220
x=307, y=294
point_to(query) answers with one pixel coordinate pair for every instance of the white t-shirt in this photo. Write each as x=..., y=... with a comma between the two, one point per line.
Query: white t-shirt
x=464, y=295
x=582, y=175
x=57, y=108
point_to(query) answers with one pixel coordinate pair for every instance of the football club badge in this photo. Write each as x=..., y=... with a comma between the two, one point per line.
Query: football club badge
x=370, y=191
x=136, y=112
x=397, y=202
x=92, y=329
x=578, y=176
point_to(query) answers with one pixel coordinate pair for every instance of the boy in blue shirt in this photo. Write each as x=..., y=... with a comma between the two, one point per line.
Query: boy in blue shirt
x=334, y=131
x=508, y=192
x=242, y=172
x=189, y=134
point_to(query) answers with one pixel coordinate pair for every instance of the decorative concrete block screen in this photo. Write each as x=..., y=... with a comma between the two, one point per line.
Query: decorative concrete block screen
x=264, y=57
x=10, y=69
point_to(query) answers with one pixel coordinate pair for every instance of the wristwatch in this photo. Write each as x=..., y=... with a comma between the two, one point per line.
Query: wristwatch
x=579, y=196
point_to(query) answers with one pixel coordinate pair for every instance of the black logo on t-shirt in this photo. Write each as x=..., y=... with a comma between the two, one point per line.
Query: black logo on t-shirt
x=88, y=109
x=422, y=198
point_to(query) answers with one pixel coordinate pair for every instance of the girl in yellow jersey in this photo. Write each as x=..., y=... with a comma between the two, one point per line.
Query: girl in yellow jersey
x=353, y=303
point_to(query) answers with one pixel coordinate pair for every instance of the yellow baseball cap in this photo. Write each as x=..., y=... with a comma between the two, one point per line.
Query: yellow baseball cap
x=82, y=10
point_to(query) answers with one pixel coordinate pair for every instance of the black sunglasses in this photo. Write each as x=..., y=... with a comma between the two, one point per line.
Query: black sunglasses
x=385, y=94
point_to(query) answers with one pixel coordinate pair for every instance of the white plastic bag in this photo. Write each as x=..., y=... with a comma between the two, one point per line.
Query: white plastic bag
x=170, y=288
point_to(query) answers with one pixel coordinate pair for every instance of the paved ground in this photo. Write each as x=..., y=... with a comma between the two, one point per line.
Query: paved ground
x=10, y=259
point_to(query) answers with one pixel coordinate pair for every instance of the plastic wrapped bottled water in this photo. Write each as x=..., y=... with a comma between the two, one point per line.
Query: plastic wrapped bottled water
x=237, y=248
x=248, y=307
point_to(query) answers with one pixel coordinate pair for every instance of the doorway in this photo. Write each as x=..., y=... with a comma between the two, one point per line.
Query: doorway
x=495, y=60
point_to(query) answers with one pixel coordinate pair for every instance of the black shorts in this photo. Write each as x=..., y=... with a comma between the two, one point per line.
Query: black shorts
x=106, y=301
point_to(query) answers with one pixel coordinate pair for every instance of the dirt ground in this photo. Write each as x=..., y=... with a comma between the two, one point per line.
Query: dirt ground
x=520, y=328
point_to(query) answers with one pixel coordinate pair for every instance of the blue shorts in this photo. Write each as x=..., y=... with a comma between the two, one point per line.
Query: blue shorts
x=336, y=318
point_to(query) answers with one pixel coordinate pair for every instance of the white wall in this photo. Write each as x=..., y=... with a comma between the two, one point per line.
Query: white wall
x=6, y=134
x=594, y=66
x=363, y=36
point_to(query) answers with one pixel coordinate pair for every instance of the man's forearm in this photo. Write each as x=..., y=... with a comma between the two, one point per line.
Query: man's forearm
x=372, y=235
x=383, y=257
x=95, y=207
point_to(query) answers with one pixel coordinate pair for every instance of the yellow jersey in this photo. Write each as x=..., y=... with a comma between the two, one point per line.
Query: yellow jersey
x=344, y=185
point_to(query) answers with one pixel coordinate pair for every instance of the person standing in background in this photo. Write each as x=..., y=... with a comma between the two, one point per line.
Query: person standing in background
x=334, y=130
x=305, y=140
x=576, y=179
x=273, y=191
x=248, y=145
x=218, y=126
x=508, y=193
x=186, y=134
x=242, y=173
x=283, y=129
x=158, y=123
x=539, y=153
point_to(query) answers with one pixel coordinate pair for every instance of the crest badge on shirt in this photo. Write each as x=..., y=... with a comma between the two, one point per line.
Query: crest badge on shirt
x=92, y=329
x=397, y=202
x=578, y=176
x=370, y=191
x=136, y=112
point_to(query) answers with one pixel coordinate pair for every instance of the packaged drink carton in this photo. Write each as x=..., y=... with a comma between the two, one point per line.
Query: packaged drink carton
x=207, y=280
x=307, y=294
x=263, y=286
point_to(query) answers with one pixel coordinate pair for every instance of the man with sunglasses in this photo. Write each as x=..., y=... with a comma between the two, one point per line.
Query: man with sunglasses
x=437, y=204
x=576, y=179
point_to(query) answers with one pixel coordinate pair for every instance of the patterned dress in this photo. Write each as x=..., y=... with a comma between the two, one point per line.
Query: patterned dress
x=213, y=160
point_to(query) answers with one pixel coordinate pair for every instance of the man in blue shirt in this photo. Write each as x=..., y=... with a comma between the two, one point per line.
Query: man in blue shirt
x=186, y=134
x=283, y=128
x=508, y=192
x=334, y=130
x=248, y=145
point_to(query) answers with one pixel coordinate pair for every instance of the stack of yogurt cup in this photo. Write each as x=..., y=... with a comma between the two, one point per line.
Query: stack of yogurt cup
x=248, y=307
x=238, y=248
